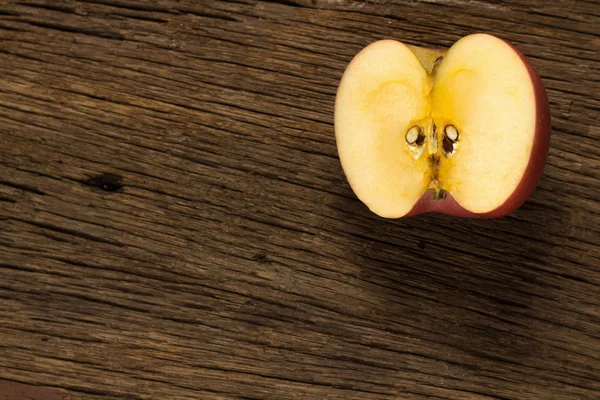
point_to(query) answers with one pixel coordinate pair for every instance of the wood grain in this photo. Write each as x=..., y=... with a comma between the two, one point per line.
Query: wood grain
x=175, y=223
x=18, y=391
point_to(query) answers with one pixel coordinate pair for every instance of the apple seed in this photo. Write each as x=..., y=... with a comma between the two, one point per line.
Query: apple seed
x=414, y=134
x=420, y=139
x=451, y=133
x=447, y=145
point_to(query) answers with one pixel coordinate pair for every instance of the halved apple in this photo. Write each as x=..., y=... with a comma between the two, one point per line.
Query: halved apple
x=463, y=132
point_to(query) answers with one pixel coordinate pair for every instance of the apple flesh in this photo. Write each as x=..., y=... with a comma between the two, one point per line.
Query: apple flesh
x=463, y=132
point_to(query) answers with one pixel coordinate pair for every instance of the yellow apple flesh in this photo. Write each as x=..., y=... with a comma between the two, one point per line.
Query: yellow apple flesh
x=463, y=131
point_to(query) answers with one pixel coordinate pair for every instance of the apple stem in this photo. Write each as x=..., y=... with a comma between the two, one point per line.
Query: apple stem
x=436, y=64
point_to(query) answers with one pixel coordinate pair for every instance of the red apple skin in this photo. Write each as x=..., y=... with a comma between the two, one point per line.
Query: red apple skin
x=533, y=171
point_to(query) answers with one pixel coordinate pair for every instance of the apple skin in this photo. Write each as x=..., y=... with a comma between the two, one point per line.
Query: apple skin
x=531, y=176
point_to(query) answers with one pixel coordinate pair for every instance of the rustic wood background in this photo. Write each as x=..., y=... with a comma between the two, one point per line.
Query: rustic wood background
x=175, y=223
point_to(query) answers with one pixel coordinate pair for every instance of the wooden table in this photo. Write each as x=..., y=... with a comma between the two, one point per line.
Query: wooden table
x=175, y=223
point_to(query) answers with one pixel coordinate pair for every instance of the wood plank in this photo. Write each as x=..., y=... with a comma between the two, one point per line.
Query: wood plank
x=175, y=223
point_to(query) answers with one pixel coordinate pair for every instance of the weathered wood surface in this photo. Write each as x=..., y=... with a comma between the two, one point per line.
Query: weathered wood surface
x=175, y=224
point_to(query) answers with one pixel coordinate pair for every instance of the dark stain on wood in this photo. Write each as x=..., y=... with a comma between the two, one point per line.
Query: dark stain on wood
x=106, y=182
x=234, y=261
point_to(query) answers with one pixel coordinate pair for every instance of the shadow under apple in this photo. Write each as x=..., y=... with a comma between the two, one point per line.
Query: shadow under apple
x=465, y=285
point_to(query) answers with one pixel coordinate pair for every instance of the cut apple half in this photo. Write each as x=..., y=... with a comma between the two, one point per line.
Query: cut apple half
x=463, y=132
